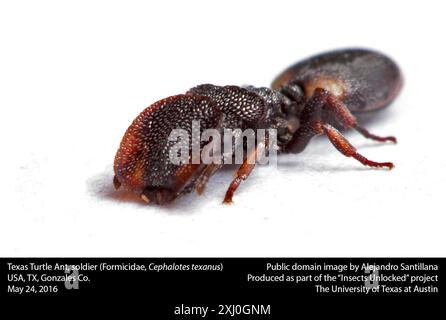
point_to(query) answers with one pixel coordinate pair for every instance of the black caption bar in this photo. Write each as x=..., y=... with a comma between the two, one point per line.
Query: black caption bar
x=223, y=287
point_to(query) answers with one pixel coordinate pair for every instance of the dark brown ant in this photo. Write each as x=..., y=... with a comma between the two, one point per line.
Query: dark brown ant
x=310, y=98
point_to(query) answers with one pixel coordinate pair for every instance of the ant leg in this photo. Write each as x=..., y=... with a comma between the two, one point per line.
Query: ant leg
x=312, y=124
x=342, y=144
x=242, y=174
x=343, y=115
x=204, y=177
x=369, y=135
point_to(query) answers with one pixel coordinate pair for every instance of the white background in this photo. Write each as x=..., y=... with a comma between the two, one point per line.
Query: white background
x=74, y=74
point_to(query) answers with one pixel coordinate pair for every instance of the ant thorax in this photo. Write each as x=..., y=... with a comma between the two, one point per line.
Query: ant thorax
x=282, y=113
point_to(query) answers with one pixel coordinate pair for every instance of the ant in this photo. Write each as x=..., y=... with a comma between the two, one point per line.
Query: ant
x=316, y=96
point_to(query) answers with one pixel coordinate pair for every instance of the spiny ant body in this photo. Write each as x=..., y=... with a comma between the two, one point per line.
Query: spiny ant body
x=312, y=97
